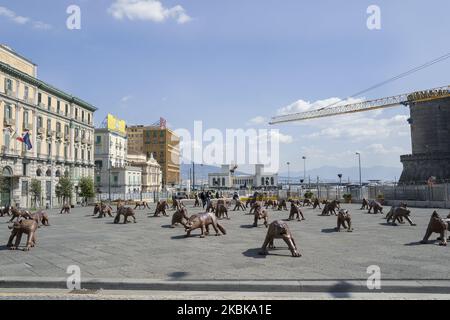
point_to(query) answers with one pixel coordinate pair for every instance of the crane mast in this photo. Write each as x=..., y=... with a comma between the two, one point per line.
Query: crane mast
x=388, y=102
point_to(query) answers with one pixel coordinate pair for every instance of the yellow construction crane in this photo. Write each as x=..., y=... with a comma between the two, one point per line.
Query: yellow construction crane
x=388, y=102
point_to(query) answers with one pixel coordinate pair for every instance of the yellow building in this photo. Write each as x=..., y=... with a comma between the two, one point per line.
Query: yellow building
x=60, y=128
x=163, y=144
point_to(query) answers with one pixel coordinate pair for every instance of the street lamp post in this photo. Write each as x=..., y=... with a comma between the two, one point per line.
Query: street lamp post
x=289, y=177
x=304, y=168
x=360, y=180
x=339, y=189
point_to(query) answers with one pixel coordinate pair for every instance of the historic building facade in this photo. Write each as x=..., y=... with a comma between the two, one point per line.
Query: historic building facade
x=161, y=143
x=60, y=130
x=226, y=179
x=151, y=171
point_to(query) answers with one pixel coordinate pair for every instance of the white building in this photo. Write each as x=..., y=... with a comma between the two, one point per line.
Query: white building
x=112, y=172
x=151, y=171
x=227, y=180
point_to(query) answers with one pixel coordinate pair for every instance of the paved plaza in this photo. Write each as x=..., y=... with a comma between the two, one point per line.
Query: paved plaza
x=150, y=249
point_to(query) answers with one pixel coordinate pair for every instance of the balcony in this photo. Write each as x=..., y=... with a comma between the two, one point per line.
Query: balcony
x=8, y=122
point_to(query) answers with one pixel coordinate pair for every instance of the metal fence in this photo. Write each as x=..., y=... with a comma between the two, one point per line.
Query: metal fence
x=438, y=192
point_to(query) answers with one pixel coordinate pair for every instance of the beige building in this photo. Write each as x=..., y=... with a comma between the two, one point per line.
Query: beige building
x=151, y=171
x=161, y=143
x=60, y=127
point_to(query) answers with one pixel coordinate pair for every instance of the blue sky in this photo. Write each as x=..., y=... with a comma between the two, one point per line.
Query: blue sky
x=228, y=62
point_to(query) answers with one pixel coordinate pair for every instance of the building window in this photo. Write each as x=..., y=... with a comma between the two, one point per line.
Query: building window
x=65, y=152
x=76, y=113
x=8, y=85
x=38, y=172
x=99, y=140
x=66, y=130
x=82, y=155
x=49, y=124
x=39, y=122
x=76, y=132
x=58, y=127
x=24, y=188
x=39, y=98
x=49, y=150
x=89, y=155
x=48, y=173
x=76, y=154
x=82, y=115
x=49, y=102
x=67, y=109
x=24, y=169
x=25, y=93
x=8, y=112
x=7, y=140
x=89, y=118
x=25, y=119
x=58, y=106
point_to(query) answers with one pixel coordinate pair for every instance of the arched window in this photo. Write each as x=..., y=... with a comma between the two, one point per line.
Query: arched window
x=58, y=173
x=48, y=173
x=7, y=172
x=39, y=172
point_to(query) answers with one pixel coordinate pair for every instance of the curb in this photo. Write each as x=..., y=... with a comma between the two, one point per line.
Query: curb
x=332, y=286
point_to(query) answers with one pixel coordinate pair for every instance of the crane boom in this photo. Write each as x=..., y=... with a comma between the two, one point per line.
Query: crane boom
x=388, y=102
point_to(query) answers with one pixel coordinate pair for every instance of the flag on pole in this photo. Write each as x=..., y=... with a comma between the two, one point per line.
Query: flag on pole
x=26, y=139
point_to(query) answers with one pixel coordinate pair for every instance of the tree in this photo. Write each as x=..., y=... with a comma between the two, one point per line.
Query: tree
x=35, y=190
x=86, y=186
x=64, y=189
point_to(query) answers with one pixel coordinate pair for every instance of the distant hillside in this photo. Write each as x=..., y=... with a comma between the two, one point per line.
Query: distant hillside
x=329, y=173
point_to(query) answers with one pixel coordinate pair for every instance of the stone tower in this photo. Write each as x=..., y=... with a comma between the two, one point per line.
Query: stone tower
x=430, y=136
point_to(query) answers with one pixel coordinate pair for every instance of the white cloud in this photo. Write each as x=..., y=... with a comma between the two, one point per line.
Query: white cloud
x=257, y=120
x=378, y=148
x=147, y=10
x=126, y=99
x=11, y=15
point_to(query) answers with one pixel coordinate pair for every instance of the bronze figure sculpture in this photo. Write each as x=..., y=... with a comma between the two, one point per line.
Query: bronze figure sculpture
x=203, y=221
x=125, y=212
x=261, y=214
x=376, y=206
x=279, y=230
x=437, y=225
x=161, y=207
x=401, y=212
x=295, y=210
x=179, y=217
x=28, y=227
x=344, y=219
